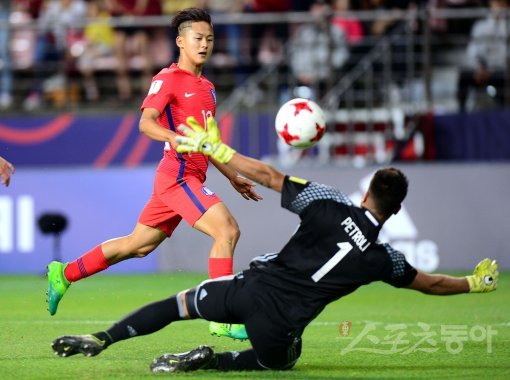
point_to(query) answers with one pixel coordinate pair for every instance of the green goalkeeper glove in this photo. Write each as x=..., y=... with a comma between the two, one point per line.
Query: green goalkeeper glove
x=197, y=139
x=484, y=278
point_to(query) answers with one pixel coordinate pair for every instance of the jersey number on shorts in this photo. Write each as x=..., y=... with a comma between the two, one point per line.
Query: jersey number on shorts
x=331, y=263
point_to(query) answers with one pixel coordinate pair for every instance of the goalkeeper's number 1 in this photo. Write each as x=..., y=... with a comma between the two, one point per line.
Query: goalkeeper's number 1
x=345, y=248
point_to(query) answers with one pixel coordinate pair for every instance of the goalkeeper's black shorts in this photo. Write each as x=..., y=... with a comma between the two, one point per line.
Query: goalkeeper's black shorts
x=229, y=300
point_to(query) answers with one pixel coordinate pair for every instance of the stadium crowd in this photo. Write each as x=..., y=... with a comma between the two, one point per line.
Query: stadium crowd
x=69, y=44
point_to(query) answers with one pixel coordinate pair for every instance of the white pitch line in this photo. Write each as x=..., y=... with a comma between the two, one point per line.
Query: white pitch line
x=320, y=324
x=313, y=324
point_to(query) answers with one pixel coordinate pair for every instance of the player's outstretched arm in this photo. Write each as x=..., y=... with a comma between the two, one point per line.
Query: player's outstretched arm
x=208, y=142
x=243, y=186
x=484, y=279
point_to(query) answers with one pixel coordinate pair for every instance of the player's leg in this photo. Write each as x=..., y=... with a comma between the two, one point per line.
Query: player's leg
x=146, y=320
x=273, y=347
x=219, y=223
x=203, y=210
x=219, y=300
x=139, y=243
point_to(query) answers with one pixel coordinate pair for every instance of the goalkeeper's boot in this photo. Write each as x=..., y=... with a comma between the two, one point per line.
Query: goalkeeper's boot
x=57, y=285
x=69, y=345
x=234, y=331
x=193, y=360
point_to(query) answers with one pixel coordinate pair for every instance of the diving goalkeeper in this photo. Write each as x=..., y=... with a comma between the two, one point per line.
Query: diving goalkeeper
x=334, y=251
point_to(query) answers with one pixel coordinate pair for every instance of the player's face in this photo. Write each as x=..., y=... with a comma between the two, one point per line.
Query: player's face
x=196, y=43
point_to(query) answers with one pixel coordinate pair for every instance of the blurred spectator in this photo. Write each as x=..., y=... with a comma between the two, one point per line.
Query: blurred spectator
x=452, y=26
x=98, y=40
x=6, y=170
x=317, y=51
x=33, y=7
x=227, y=37
x=395, y=22
x=132, y=39
x=58, y=22
x=5, y=58
x=380, y=26
x=266, y=39
x=350, y=25
x=486, y=56
x=171, y=7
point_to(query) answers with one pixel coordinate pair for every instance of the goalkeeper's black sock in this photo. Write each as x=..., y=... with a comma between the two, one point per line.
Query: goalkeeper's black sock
x=235, y=361
x=146, y=320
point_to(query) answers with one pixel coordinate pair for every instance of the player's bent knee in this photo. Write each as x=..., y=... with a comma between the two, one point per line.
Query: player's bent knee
x=282, y=359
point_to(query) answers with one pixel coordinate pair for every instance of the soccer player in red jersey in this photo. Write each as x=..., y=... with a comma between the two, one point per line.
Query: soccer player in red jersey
x=176, y=92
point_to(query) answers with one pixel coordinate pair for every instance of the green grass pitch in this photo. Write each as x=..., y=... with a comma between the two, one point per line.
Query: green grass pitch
x=393, y=333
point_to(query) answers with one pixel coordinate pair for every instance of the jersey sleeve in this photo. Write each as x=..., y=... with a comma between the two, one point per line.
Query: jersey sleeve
x=160, y=94
x=298, y=194
x=401, y=273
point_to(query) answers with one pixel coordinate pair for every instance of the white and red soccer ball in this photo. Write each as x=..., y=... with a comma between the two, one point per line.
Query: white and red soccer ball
x=300, y=123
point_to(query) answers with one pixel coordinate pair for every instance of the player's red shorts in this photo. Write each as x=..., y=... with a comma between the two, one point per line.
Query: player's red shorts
x=173, y=200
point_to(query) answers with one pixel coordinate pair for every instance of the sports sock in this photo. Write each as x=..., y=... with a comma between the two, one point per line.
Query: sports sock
x=90, y=263
x=220, y=266
x=146, y=320
x=235, y=361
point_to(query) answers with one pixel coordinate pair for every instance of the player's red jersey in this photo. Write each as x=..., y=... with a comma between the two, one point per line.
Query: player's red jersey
x=177, y=94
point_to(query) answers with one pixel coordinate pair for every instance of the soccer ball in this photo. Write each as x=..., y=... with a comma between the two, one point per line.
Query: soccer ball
x=300, y=123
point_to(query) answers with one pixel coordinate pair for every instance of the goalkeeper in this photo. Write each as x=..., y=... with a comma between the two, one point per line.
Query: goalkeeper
x=333, y=252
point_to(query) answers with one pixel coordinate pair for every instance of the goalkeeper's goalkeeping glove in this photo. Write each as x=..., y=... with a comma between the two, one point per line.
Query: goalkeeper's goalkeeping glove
x=208, y=142
x=484, y=278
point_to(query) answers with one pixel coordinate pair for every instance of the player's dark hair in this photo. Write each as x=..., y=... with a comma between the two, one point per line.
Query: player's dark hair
x=388, y=189
x=189, y=15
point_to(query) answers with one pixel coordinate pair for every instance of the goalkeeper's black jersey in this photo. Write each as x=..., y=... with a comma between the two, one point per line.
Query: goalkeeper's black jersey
x=333, y=252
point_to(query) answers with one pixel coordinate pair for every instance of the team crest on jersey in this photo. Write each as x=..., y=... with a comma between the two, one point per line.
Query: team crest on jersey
x=207, y=191
x=213, y=93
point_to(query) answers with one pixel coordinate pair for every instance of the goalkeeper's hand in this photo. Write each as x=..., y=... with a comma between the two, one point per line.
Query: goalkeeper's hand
x=197, y=139
x=484, y=278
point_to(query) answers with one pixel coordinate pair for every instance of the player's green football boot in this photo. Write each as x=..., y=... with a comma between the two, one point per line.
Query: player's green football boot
x=229, y=330
x=57, y=285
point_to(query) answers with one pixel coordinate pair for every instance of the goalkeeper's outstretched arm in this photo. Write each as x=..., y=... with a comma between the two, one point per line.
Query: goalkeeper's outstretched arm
x=439, y=284
x=483, y=280
x=258, y=171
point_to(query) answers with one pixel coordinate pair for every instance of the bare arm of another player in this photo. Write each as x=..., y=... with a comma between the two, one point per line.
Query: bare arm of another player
x=6, y=169
x=243, y=185
x=150, y=127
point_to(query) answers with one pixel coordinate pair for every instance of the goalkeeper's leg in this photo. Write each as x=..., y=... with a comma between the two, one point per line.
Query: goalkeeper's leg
x=146, y=320
x=267, y=357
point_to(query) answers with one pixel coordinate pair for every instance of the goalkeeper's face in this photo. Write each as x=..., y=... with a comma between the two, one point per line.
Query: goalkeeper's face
x=196, y=41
